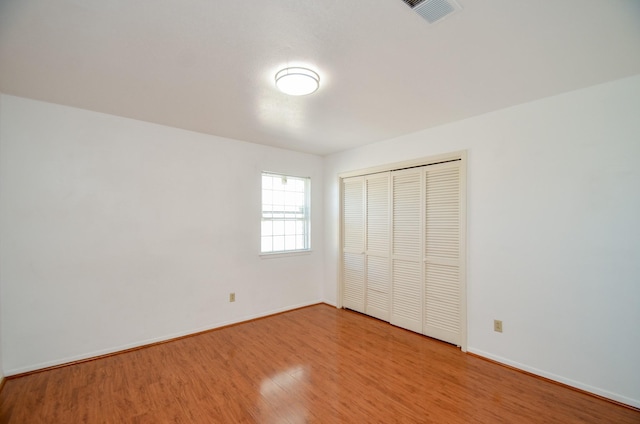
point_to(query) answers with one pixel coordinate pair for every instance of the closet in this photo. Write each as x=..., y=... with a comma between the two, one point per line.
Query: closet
x=403, y=246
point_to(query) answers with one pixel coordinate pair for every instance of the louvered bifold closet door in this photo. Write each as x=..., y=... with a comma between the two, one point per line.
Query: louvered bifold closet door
x=443, y=252
x=406, y=249
x=353, y=260
x=377, y=277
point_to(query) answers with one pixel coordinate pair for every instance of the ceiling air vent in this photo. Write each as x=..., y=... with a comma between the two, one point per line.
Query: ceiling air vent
x=433, y=10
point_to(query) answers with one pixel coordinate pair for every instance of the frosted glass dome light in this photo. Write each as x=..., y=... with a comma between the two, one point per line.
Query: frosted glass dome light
x=297, y=81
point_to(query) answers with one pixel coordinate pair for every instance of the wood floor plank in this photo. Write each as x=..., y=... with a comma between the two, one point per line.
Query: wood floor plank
x=312, y=365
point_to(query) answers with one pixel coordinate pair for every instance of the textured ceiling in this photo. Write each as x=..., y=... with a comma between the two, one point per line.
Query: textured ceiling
x=209, y=65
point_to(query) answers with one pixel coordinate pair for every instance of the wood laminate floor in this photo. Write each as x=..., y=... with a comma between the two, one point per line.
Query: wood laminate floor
x=312, y=365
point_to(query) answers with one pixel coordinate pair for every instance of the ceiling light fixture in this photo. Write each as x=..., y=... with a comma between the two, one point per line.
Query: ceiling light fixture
x=297, y=81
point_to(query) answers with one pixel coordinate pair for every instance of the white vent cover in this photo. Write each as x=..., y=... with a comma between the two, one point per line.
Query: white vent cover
x=434, y=10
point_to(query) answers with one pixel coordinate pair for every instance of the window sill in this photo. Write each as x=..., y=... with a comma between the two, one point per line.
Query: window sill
x=284, y=254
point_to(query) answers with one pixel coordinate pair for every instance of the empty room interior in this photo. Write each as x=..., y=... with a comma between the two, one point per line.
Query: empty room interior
x=289, y=211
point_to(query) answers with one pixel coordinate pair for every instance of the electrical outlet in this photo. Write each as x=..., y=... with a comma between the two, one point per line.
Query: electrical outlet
x=232, y=297
x=497, y=325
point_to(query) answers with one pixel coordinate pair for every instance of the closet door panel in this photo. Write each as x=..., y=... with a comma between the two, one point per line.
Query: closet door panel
x=377, y=225
x=406, y=249
x=377, y=246
x=353, y=281
x=378, y=287
x=442, y=303
x=353, y=214
x=442, y=252
x=353, y=259
x=407, y=289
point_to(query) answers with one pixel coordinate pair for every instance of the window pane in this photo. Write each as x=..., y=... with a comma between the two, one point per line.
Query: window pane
x=300, y=242
x=266, y=244
x=278, y=198
x=267, y=228
x=278, y=243
x=267, y=181
x=290, y=228
x=267, y=197
x=290, y=242
x=278, y=228
x=290, y=198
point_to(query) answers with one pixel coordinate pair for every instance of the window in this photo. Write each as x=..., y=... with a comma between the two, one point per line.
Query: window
x=285, y=213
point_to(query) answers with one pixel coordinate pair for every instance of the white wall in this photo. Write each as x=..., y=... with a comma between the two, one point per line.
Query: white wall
x=115, y=233
x=553, y=232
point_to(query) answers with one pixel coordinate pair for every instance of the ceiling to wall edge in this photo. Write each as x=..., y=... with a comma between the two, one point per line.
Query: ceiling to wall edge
x=411, y=163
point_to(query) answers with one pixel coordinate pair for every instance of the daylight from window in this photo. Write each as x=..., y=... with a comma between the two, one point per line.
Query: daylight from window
x=285, y=213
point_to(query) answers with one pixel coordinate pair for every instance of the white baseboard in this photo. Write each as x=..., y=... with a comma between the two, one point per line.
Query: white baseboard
x=117, y=349
x=578, y=385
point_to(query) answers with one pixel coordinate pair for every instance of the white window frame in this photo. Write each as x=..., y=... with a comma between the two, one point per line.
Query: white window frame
x=285, y=217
